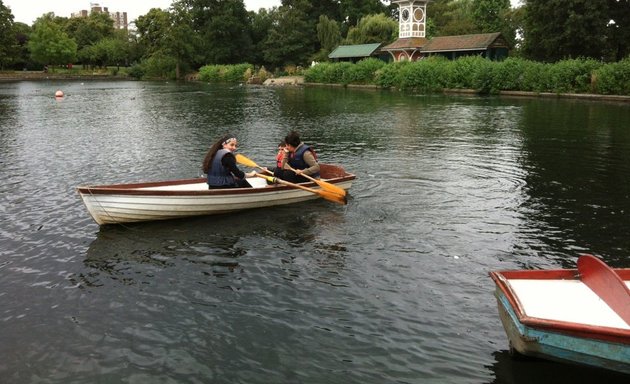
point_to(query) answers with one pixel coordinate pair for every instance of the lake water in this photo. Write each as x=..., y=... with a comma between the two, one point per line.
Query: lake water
x=392, y=288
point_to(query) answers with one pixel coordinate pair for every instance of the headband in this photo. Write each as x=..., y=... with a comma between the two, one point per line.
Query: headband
x=228, y=141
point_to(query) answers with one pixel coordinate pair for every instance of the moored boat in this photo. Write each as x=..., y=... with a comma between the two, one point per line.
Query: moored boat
x=162, y=200
x=578, y=316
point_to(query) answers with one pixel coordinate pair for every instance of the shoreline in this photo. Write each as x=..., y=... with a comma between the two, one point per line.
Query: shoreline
x=299, y=81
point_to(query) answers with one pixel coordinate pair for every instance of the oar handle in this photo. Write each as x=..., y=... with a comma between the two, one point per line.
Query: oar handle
x=276, y=180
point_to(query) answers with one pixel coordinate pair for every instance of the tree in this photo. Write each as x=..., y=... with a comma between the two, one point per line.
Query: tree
x=89, y=30
x=618, y=29
x=49, y=44
x=261, y=23
x=292, y=39
x=328, y=35
x=222, y=27
x=23, y=56
x=563, y=29
x=353, y=10
x=452, y=18
x=8, y=42
x=373, y=29
x=489, y=15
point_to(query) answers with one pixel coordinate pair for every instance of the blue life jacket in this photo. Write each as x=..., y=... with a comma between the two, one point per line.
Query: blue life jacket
x=296, y=159
x=218, y=175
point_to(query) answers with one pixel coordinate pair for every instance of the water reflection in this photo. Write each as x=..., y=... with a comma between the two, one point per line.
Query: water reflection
x=508, y=370
x=131, y=254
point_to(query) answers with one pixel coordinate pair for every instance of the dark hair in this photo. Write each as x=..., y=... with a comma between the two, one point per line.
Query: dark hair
x=293, y=138
x=282, y=143
x=207, y=161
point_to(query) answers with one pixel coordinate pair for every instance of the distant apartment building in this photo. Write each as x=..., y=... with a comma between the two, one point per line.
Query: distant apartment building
x=120, y=18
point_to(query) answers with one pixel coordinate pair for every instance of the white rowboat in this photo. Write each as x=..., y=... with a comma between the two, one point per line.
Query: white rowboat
x=162, y=200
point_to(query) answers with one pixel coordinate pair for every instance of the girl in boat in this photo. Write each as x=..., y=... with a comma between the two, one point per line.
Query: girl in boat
x=298, y=159
x=220, y=165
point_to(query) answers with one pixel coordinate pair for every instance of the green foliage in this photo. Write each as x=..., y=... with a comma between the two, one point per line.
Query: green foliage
x=8, y=42
x=327, y=73
x=136, y=71
x=428, y=75
x=49, y=44
x=564, y=29
x=572, y=76
x=389, y=75
x=434, y=74
x=226, y=73
x=613, y=78
x=159, y=67
x=373, y=29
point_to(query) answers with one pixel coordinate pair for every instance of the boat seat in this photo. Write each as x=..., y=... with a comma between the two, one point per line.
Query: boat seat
x=565, y=300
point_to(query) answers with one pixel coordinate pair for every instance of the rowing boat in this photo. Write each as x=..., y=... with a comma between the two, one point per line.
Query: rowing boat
x=580, y=316
x=162, y=200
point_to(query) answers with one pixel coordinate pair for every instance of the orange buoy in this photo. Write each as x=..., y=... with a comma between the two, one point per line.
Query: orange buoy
x=59, y=93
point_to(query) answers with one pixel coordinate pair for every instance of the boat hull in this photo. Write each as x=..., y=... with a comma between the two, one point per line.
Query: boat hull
x=126, y=203
x=568, y=315
x=547, y=344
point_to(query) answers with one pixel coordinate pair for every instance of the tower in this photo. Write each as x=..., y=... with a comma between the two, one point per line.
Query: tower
x=412, y=21
x=411, y=30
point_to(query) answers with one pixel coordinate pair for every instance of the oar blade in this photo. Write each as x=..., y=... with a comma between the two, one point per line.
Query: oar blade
x=331, y=187
x=244, y=160
x=333, y=197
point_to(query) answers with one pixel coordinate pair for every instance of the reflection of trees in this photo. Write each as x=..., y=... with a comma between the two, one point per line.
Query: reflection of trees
x=576, y=158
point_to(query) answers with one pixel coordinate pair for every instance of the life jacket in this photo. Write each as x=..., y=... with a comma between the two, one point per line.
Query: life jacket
x=218, y=175
x=296, y=159
x=279, y=158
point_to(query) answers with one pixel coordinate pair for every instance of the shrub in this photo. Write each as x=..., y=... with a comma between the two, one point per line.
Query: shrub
x=363, y=72
x=159, y=66
x=572, y=75
x=613, y=78
x=389, y=75
x=226, y=73
x=426, y=75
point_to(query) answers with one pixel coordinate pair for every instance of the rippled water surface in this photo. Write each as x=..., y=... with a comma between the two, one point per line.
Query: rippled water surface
x=392, y=288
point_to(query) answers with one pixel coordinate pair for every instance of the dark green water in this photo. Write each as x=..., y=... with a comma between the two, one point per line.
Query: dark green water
x=392, y=288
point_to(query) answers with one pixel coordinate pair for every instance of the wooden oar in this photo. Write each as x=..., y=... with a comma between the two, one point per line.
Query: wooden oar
x=325, y=185
x=335, y=198
x=602, y=280
x=241, y=159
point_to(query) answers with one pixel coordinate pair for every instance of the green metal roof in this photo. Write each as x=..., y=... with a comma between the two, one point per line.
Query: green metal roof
x=359, y=50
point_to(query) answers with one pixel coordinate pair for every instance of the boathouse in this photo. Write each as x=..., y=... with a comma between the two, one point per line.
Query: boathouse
x=413, y=45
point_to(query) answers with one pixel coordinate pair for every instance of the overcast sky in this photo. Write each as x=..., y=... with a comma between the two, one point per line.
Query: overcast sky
x=26, y=11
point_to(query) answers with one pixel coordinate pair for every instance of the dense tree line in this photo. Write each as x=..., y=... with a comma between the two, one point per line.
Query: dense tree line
x=194, y=33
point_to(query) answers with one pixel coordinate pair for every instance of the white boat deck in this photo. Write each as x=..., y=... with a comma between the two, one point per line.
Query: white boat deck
x=255, y=182
x=565, y=300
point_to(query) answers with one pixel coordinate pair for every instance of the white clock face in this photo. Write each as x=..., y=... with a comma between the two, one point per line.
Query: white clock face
x=405, y=14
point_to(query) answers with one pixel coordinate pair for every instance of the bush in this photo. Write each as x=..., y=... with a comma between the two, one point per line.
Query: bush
x=389, y=75
x=426, y=75
x=572, y=75
x=508, y=74
x=613, y=78
x=363, y=72
x=158, y=66
x=226, y=73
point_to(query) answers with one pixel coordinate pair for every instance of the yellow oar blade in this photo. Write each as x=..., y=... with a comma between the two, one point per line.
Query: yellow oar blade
x=335, y=198
x=241, y=159
x=326, y=185
x=331, y=187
